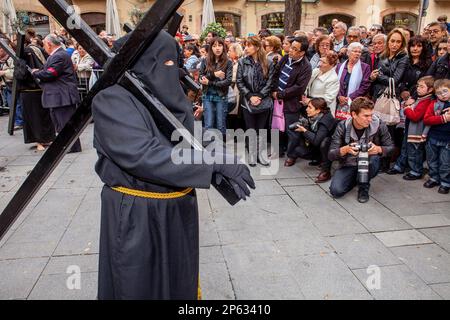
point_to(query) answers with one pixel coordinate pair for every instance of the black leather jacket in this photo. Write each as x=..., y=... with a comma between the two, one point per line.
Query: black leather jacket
x=440, y=69
x=220, y=85
x=390, y=68
x=244, y=80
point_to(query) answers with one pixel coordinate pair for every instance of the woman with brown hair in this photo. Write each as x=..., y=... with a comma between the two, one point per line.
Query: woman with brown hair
x=216, y=73
x=254, y=80
x=323, y=45
x=273, y=48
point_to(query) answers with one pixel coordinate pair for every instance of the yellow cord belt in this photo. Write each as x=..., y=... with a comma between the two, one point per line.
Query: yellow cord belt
x=152, y=195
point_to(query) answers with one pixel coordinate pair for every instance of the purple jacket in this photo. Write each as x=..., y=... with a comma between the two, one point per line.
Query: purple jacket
x=363, y=87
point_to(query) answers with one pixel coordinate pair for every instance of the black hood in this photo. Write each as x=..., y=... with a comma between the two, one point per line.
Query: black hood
x=158, y=68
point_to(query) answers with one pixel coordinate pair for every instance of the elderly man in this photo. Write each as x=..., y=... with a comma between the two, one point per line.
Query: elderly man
x=59, y=84
x=339, y=32
x=353, y=35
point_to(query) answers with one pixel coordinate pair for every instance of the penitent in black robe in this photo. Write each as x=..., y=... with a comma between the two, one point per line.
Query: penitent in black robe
x=149, y=248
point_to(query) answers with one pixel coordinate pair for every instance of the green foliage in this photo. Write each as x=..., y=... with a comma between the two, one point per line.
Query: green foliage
x=136, y=15
x=214, y=27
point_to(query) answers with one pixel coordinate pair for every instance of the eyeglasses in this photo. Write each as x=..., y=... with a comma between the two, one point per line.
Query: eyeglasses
x=433, y=31
x=296, y=49
x=444, y=92
x=374, y=29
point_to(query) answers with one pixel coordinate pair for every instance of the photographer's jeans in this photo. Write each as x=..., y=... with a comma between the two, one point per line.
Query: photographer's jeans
x=8, y=96
x=345, y=178
x=215, y=113
x=438, y=156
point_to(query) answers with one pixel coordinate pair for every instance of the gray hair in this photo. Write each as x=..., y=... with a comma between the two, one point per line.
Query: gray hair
x=379, y=35
x=53, y=39
x=355, y=29
x=342, y=25
x=352, y=46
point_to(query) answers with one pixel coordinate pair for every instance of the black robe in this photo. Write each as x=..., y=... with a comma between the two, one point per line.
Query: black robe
x=38, y=126
x=149, y=248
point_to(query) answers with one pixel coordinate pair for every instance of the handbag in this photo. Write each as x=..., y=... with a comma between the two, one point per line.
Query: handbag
x=265, y=105
x=387, y=106
x=278, y=121
x=343, y=111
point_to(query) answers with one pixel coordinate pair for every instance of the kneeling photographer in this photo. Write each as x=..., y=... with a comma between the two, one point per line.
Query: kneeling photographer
x=358, y=143
x=315, y=136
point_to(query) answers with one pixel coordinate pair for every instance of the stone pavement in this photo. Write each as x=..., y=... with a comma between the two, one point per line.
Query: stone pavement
x=290, y=240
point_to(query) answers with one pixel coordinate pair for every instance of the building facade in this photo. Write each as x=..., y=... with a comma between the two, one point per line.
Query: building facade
x=245, y=17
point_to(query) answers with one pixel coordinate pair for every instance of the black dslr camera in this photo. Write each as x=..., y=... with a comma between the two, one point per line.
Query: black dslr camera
x=363, y=160
x=304, y=122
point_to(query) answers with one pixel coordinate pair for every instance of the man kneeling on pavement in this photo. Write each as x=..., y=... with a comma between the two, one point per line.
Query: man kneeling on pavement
x=361, y=129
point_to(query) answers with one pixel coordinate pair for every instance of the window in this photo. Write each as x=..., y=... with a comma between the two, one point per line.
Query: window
x=274, y=22
x=231, y=22
x=400, y=19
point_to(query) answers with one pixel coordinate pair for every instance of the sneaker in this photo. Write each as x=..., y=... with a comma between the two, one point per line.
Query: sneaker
x=410, y=177
x=18, y=127
x=363, y=195
x=430, y=184
x=393, y=171
x=443, y=190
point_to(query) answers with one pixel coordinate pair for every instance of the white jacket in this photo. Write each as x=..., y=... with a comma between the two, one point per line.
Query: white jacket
x=324, y=86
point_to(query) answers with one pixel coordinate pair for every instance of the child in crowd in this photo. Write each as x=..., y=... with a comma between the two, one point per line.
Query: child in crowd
x=438, y=146
x=413, y=148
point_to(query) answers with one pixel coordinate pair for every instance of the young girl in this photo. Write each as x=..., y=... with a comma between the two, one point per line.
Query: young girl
x=216, y=72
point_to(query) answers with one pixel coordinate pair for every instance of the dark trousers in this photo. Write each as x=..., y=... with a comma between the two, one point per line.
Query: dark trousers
x=60, y=116
x=293, y=137
x=311, y=152
x=346, y=178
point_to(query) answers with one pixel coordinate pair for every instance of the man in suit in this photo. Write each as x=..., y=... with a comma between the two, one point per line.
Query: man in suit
x=59, y=84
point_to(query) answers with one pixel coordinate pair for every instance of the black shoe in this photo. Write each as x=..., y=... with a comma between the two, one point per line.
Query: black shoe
x=393, y=171
x=430, y=184
x=252, y=164
x=363, y=195
x=410, y=177
x=443, y=190
x=314, y=163
x=263, y=163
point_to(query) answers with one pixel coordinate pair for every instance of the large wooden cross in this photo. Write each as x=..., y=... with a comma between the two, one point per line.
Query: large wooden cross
x=115, y=71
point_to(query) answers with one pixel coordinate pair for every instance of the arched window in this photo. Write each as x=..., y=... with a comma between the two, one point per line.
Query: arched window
x=96, y=20
x=400, y=19
x=325, y=21
x=231, y=22
x=273, y=21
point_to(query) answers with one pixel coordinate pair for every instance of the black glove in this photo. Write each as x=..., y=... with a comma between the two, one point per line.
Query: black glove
x=238, y=175
x=20, y=70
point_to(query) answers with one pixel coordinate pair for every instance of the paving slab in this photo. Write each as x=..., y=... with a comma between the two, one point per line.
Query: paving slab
x=402, y=238
x=215, y=281
x=429, y=262
x=326, y=277
x=440, y=236
x=443, y=289
x=362, y=250
x=396, y=283
x=19, y=276
x=429, y=220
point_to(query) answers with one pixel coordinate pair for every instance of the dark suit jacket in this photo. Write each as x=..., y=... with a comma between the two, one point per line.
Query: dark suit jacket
x=58, y=81
x=296, y=85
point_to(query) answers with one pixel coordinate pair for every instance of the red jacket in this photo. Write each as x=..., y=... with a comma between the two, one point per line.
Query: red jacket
x=430, y=119
x=418, y=113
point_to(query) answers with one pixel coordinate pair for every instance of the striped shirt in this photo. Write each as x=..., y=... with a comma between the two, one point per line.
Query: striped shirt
x=286, y=73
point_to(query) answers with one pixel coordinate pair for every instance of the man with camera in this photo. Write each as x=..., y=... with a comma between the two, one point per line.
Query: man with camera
x=358, y=143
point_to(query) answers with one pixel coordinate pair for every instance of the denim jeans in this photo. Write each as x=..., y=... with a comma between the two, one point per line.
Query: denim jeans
x=346, y=178
x=402, y=160
x=415, y=158
x=8, y=97
x=215, y=113
x=438, y=157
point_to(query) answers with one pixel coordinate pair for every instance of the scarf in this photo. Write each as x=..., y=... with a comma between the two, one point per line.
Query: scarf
x=355, y=78
x=314, y=121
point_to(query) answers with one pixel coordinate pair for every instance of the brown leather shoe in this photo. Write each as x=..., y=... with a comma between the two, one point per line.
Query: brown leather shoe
x=324, y=176
x=289, y=162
